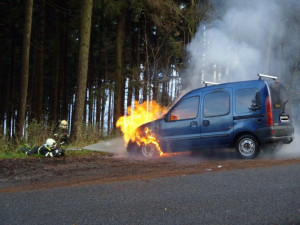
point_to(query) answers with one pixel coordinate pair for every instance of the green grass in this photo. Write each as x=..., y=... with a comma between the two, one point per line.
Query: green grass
x=10, y=150
x=85, y=152
x=12, y=155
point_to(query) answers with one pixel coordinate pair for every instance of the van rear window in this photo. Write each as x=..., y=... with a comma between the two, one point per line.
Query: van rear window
x=279, y=96
x=247, y=100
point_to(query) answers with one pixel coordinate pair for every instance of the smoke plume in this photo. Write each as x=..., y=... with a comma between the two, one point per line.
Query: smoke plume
x=245, y=38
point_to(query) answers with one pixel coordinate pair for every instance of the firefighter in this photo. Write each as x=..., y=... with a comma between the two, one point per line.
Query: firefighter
x=49, y=149
x=61, y=133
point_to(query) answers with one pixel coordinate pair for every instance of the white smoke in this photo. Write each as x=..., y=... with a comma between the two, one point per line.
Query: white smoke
x=240, y=44
x=246, y=38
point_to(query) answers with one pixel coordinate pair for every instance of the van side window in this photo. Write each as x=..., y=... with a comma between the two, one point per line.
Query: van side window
x=186, y=109
x=247, y=100
x=216, y=104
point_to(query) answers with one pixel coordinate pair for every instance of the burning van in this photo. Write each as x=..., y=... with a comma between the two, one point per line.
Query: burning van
x=247, y=115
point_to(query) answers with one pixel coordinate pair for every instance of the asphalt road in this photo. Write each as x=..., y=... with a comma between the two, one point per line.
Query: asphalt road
x=252, y=196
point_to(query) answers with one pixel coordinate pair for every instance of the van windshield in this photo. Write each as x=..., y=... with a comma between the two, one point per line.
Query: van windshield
x=279, y=96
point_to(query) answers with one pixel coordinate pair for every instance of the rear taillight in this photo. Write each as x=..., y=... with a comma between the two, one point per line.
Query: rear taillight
x=269, y=113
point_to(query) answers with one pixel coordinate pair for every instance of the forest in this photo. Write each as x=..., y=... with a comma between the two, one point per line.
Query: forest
x=87, y=61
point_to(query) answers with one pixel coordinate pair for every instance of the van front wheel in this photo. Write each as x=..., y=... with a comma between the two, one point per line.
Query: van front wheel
x=247, y=147
x=149, y=151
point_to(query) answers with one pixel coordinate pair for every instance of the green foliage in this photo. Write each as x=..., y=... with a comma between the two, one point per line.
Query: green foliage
x=9, y=149
x=36, y=133
x=110, y=7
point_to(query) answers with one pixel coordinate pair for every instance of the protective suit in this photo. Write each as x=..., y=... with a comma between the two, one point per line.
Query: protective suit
x=61, y=133
x=49, y=149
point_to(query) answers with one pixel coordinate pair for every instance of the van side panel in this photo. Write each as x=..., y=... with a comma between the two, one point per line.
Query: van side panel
x=249, y=108
x=181, y=134
x=254, y=120
x=216, y=122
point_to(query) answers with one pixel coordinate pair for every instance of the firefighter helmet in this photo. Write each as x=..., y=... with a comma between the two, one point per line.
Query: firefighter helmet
x=50, y=143
x=63, y=124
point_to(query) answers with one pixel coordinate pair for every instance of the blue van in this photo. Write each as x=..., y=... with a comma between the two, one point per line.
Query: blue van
x=246, y=115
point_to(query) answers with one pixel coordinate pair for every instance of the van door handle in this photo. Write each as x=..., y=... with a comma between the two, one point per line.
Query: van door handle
x=193, y=124
x=205, y=123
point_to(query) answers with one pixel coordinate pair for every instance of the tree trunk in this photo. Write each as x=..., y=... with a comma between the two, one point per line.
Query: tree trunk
x=91, y=105
x=138, y=62
x=85, y=32
x=129, y=93
x=192, y=19
x=119, y=82
x=103, y=101
x=9, y=87
x=131, y=65
x=109, y=111
x=66, y=90
x=57, y=79
x=146, y=69
x=98, y=106
x=41, y=63
x=165, y=81
x=24, y=68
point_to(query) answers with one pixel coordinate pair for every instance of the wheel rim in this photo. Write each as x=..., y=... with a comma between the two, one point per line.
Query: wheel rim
x=247, y=147
x=149, y=151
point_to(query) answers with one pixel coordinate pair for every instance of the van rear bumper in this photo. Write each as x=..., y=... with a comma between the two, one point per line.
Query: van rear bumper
x=283, y=134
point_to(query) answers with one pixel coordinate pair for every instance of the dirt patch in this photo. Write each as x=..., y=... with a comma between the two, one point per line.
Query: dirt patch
x=36, y=173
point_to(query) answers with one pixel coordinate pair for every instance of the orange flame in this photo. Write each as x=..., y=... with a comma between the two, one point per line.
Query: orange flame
x=140, y=114
x=148, y=138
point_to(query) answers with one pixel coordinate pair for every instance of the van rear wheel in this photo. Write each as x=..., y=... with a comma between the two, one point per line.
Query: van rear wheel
x=247, y=147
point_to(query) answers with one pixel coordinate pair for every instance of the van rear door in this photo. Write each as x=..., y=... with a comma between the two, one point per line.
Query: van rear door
x=280, y=105
x=281, y=111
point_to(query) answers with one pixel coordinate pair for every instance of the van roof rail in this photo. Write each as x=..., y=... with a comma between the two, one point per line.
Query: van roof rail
x=211, y=83
x=260, y=75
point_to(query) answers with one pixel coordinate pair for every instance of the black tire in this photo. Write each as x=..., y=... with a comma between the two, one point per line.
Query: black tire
x=247, y=147
x=145, y=151
x=132, y=148
x=149, y=151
